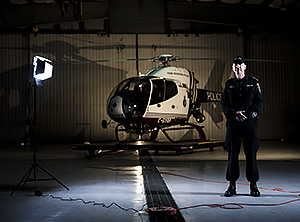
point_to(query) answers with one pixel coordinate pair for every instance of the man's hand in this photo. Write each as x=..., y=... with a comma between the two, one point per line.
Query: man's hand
x=240, y=116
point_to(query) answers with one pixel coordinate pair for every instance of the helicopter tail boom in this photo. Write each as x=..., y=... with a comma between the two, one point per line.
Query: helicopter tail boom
x=205, y=96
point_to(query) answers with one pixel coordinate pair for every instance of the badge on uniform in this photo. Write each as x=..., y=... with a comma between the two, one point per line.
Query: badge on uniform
x=258, y=86
x=254, y=114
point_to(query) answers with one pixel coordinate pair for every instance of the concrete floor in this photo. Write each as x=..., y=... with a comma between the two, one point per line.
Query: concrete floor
x=195, y=179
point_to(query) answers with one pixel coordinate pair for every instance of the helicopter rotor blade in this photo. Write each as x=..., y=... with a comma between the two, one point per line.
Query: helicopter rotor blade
x=229, y=59
x=111, y=60
x=166, y=58
x=204, y=59
x=105, y=60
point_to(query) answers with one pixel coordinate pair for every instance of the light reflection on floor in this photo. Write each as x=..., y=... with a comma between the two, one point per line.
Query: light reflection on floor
x=117, y=177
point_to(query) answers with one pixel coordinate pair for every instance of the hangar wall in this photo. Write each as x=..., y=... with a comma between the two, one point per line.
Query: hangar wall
x=277, y=67
x=73, y=103
x=13, y=86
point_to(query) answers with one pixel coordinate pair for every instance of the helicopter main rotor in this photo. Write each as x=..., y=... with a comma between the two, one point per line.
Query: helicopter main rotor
x=165, y=59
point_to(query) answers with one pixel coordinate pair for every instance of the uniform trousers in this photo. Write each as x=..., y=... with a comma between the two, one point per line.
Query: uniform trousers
x=236, y=131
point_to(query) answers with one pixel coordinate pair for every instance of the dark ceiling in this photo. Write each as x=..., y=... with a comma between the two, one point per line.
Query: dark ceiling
x=149, y=16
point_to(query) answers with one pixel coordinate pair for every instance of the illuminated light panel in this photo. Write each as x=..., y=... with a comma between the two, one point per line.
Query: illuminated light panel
x=43, y=68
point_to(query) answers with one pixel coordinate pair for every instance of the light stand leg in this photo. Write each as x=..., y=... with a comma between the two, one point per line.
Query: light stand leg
x=24, y=179
x=34, y=167
x=50, y=175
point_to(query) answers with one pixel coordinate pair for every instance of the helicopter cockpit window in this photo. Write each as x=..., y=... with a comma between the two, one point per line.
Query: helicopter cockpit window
x=135, y=93
x=162, y=90
x=171, y=89
x=157, y=92
x=119, y=87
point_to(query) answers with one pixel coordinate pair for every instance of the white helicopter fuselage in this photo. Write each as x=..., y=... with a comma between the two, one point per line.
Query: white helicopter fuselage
x=162, y=96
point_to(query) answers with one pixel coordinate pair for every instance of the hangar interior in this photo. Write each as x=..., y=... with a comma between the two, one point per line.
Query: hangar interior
x=81, y=37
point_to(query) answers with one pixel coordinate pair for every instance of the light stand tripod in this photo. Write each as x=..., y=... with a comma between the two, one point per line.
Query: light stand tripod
x=35, y=166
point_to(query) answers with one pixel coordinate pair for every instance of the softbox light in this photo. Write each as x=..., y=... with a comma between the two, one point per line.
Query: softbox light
x=42, y=68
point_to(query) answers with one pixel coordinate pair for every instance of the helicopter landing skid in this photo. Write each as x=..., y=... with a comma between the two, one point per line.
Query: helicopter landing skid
x=136, y=134
x=134, y=140
x=144, y=146
x=187, y=126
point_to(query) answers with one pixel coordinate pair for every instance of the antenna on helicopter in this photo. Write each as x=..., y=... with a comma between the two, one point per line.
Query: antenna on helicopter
x=165, y=59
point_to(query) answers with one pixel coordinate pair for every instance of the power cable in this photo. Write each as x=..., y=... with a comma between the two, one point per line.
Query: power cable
x=196, y=179
x=223, y=206
x=214, y=181
x=238, y=205
x=94, y=203
x=168, y=210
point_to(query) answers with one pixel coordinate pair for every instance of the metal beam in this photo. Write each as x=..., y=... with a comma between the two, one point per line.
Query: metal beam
x=148, y=16
x=46, y=14
x=235, y=15
x=293, y=4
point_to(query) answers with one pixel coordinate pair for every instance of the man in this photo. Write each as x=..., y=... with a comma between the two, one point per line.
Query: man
x=241, y=103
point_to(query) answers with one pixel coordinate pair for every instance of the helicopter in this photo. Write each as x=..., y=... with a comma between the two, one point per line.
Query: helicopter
x=163, y=99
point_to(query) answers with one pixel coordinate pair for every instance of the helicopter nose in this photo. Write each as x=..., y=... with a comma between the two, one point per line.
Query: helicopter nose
x=115, y=108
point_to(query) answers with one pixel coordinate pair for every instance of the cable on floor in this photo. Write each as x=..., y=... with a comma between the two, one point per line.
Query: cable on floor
x=214, y=181
x=94, y=203
x=197, y=179
x=239, y=205
x=223, y=206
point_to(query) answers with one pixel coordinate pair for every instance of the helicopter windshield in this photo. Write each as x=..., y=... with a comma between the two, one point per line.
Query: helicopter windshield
x=135, y=94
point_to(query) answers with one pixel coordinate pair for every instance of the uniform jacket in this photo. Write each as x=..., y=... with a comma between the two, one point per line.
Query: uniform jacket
x=242, y=95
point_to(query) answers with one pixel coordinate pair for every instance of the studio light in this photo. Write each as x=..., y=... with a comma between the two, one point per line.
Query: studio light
x=42, y=68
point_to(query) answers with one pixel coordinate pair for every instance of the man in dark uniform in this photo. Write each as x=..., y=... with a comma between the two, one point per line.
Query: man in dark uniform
x=241, y=103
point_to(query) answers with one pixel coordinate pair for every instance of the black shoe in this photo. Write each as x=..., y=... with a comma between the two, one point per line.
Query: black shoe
x=254, y=190
x=231, y=190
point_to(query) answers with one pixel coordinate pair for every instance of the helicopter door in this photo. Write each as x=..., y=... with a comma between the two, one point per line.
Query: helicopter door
x=168, y=101
x=158, y=91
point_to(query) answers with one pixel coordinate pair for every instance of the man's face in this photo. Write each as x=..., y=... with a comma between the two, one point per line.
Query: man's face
x=239, y=70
